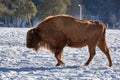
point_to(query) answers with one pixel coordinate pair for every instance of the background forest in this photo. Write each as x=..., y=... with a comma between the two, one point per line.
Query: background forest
x=27, y=13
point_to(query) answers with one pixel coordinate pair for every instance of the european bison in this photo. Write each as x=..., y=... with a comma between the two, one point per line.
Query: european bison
x=56, y=32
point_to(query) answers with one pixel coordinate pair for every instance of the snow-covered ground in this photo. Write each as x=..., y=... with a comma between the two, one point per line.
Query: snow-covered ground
x=20, y=63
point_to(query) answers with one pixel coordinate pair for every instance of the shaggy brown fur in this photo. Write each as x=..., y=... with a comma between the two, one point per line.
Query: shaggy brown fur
x=59, y=31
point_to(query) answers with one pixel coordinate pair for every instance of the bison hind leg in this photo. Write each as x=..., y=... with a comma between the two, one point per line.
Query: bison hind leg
x=104, y=48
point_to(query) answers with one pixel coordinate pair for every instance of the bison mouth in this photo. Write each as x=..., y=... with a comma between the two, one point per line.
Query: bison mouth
x=34, y=47
x=30, y=46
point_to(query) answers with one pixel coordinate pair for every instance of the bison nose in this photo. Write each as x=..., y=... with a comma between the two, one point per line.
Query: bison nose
x=28, y=45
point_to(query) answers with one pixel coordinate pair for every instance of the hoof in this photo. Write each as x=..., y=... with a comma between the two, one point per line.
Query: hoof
x=86, y=64
x=60, y=64
x=110, y=65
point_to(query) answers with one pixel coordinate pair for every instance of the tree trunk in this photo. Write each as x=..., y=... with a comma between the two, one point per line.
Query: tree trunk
x=29, y=21
x=6, y=21
x=9, y=24
x=17, y=21
x=21, y=24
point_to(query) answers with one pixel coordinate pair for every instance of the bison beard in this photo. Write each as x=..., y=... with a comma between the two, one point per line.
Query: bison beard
x=56, y=32
x=36, y=48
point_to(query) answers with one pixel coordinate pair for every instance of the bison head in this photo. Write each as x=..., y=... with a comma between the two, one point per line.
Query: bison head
x=33, y=39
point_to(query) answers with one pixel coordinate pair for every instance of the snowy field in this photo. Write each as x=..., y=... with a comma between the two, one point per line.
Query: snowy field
x=20, y=63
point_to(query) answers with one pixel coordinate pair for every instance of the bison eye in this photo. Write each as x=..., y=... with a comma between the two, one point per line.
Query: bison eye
x=32, y=32
x=30, y=37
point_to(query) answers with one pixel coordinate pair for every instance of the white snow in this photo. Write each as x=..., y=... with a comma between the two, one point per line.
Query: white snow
x=20, y=63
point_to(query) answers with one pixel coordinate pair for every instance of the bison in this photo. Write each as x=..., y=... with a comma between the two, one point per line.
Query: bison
x=56, y=32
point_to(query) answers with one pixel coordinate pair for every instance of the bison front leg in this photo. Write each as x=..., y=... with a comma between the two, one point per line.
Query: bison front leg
x=58, y=56
x=92, y=54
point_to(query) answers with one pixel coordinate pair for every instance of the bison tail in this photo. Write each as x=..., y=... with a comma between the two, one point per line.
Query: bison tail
x=103, y=38
x=102, y=42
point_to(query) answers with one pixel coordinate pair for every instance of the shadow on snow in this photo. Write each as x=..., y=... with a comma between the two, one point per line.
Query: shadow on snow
x=35, y=69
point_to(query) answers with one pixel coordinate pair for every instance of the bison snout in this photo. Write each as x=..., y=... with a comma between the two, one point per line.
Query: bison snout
x=29, y=45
